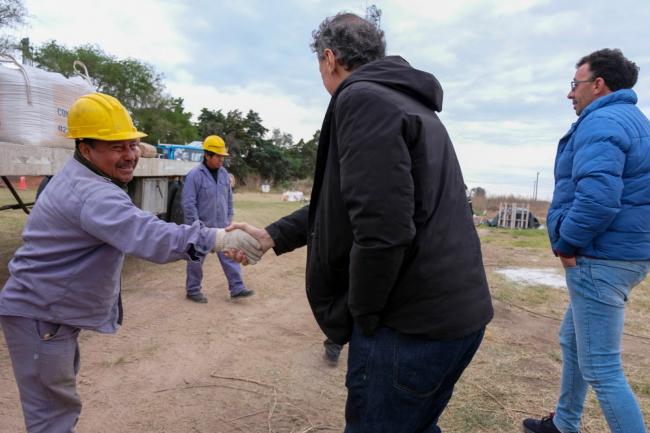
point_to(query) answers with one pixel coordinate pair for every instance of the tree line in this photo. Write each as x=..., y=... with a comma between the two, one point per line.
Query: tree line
x=137, y=85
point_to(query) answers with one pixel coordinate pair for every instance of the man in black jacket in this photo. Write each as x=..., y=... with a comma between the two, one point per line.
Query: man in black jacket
x=394, y=263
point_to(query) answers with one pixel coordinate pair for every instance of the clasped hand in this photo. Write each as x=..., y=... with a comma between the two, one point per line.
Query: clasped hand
x=243, y=243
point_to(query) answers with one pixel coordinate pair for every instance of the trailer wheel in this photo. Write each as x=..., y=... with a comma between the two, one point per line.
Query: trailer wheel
x=176, y=211
x=171, y=193
x=42, y=186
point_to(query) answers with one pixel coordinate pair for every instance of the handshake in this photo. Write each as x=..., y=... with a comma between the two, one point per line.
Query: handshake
x=243, y=243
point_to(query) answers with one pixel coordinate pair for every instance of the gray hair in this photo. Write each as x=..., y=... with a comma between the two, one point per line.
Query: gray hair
x=354, y=41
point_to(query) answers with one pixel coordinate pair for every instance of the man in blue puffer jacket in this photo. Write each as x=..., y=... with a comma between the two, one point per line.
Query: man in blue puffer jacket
x=599, y=226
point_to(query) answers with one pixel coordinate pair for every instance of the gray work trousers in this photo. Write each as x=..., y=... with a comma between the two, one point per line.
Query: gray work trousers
x=231, y=268
x=45, y=370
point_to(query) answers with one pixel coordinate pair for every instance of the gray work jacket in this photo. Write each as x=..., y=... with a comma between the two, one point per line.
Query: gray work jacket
x=68, y=271
x=205, y=200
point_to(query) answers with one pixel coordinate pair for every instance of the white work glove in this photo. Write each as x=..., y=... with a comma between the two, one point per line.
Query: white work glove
x=239, y=240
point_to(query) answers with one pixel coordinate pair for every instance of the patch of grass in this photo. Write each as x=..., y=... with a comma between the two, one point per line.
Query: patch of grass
x=541, y=299
x=507, y=293
x=112, y=362
x=261, y=210
x=536, y=295
x=641, y=388
x=530, y=239
x=640, y=298
x=476, y=418
x=12, y=223
x=6, y=197
x=556, y=356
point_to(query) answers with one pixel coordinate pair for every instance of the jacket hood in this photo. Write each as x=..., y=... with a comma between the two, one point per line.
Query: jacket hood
x=396, y=73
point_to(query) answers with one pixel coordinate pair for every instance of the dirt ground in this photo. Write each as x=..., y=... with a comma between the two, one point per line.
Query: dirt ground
x=255, y=365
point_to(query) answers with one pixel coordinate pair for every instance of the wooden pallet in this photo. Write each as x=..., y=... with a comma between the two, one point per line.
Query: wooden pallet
x=508, y=216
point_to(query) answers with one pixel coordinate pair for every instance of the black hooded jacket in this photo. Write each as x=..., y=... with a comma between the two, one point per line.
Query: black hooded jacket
x=390, y=238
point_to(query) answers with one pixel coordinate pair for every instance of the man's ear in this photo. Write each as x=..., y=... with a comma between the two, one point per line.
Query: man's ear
x=330, y=60
x=600, y=87
x=85, y=150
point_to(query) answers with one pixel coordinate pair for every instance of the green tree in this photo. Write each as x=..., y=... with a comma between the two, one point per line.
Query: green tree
x=282, y=139
x=269, y=160
x=166, y=122
x=303, y=155
x=134, y=83
x=210, y=122
x=308, y=154
x=13, y=15
x=253, y=125
x=235, y=129
x=477, y=192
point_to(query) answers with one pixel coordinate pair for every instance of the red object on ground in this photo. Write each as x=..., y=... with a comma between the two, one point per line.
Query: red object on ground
x=22, y=186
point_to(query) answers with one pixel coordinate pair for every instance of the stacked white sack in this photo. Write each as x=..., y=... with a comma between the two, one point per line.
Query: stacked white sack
x=44, y=122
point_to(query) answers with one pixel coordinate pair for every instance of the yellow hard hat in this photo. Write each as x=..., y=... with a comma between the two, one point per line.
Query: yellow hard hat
x=215, y=144
x=100, y=117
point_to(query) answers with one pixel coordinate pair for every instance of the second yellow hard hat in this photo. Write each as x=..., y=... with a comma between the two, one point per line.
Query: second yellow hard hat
x=215, y=144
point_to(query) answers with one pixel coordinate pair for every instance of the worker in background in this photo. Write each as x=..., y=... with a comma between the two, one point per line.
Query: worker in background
x=66, y=277
x=207, y=197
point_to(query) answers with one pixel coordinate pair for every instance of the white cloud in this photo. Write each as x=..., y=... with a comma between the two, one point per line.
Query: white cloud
x=504, y=65
x=276, y=109
x=118, y=26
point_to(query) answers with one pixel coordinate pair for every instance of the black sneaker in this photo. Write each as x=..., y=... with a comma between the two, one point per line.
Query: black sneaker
x=544, y=425
x=243, y=294
x=197, y=298
x=330, y=360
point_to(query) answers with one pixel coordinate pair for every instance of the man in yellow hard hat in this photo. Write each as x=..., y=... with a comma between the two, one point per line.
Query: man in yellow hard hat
x=67, y=275
x=207, y=197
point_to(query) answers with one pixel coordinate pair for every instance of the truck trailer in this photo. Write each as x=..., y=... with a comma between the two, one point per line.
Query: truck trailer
x=156, y=186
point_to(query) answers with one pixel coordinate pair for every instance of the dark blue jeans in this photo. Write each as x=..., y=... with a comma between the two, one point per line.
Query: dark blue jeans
x=398, y=383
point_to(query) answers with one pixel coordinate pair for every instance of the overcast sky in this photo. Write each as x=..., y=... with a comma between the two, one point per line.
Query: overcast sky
x=505, y=65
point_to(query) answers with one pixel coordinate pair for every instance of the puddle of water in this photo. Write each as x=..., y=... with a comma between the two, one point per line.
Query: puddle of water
x=535, y=277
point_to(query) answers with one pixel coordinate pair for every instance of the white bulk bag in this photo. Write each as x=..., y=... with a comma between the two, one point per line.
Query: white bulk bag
x=34, y=104
x=292, y=196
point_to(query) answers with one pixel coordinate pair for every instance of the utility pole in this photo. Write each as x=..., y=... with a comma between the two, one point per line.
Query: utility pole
x=373, y=15
x=24, y=46
x=534, y=190
x=536, y=187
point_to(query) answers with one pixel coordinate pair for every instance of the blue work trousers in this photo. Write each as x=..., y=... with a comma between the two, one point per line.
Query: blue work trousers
x=45, y=368
x=398, y=383
x=590, y=337
x=231, y=268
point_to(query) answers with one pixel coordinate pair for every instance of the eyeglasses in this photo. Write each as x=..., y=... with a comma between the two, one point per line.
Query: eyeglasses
x=573, y=83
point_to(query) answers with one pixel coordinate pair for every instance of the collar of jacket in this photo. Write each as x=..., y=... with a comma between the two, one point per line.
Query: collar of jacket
x=90, y=166
x=211, y=170
x=207, y=171
x=623, y=96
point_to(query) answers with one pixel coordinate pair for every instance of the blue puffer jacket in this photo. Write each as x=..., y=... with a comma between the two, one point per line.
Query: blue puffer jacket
x=601, y=202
